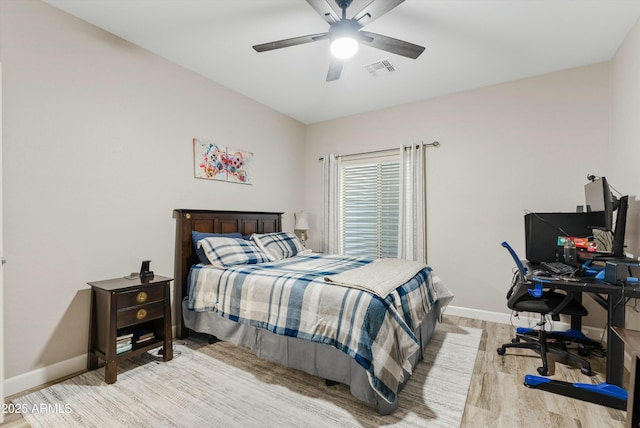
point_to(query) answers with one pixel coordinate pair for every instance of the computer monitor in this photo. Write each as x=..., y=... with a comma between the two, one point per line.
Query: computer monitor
x=598, y=198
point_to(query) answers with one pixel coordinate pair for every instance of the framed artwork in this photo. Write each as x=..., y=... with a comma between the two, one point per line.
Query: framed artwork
x=238, y=165
x=208, y=160
x=213, y=162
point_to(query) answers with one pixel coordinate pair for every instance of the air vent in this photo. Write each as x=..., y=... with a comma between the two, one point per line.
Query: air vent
x=381, y=68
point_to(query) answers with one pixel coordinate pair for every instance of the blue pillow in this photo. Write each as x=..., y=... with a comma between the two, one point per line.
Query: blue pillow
x=196, y=236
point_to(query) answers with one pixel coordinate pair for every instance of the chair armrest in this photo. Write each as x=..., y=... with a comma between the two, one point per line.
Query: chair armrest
x=568, y=298
x=540, y=284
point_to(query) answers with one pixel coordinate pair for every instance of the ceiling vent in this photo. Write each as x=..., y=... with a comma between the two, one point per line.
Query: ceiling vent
x=380, y=68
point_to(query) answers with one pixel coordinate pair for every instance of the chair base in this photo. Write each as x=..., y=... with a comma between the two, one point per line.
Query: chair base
x=586, y=346
x=542, y=346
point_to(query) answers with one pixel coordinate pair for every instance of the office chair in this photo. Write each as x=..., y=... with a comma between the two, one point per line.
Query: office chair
x=533, y=296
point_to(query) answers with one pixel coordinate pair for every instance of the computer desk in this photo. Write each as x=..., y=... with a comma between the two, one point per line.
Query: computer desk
x=612, y=298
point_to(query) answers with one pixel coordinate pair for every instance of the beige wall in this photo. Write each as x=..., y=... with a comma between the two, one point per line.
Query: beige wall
x=522, y=145
x=97, y=153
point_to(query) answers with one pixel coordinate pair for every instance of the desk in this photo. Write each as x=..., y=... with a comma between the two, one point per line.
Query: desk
x=612, y=299
x=632, y=339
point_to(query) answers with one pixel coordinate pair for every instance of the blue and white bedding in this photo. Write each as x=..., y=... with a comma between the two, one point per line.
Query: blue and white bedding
x=290, y=297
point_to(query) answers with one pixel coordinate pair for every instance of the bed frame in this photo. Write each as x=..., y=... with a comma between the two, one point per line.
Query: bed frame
x=212, y=222
x=317, y=359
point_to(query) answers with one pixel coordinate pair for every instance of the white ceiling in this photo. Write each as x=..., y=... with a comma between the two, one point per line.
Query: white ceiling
x=469, y=44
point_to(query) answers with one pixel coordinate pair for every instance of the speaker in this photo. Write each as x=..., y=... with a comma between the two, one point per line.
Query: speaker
x=570, y=255
x=620, y=273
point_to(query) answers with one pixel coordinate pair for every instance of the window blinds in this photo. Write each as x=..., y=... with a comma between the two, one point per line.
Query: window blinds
x=370, y=198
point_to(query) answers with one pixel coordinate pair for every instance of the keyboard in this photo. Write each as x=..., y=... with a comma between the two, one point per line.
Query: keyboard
x=558, y=268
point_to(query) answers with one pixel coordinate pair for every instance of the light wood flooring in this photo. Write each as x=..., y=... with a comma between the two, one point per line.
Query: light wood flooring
x=497, y=397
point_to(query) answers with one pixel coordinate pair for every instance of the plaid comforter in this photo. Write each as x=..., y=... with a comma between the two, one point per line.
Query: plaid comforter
x=291, y=298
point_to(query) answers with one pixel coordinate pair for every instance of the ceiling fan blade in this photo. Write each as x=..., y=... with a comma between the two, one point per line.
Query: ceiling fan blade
x=290, y=42
x=325, y=10
x=375, y=10
x=335, y=68
x=389, y=44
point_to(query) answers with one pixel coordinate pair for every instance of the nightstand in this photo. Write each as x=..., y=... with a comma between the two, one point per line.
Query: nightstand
x=128, y=310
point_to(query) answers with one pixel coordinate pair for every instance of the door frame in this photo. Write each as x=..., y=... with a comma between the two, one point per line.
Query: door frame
x=2, y=261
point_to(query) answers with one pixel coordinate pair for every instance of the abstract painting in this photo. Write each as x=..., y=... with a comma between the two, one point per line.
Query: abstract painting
x=238, y=165
x=213, y=162
x=208, y=160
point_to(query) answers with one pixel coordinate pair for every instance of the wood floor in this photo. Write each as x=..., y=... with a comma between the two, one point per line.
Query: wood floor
x=497, y=397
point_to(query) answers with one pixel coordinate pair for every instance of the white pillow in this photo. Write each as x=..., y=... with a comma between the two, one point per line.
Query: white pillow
x=279, y=245
x=225, y=252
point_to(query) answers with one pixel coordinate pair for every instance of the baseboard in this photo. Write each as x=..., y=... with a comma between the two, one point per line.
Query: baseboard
x=498, y=317
x=44, y=375
x=52, y=373
x=523, y=320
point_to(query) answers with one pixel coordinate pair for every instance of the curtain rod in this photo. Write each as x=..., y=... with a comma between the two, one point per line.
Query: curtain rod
x=434, y=144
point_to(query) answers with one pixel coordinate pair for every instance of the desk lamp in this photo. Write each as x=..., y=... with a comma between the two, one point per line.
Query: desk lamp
x=302, y=224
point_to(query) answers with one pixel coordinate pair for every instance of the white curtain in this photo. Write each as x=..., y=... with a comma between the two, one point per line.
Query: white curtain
x=411, y=230
x=331, y=204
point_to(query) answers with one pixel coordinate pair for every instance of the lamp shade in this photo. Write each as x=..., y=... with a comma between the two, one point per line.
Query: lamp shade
x=302, y=221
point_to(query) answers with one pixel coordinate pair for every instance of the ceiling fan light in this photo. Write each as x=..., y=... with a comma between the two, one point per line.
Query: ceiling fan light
x=344, y=47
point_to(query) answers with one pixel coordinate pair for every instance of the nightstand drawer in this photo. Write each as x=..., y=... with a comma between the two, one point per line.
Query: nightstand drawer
x=140, y=296
x=140, y=313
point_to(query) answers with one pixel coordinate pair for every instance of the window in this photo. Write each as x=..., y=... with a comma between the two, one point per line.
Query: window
x=369, y=206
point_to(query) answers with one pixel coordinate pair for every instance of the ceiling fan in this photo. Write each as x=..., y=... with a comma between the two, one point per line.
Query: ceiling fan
x=345, y=34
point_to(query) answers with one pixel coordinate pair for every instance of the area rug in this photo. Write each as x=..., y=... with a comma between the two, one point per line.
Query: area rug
x=221, y=385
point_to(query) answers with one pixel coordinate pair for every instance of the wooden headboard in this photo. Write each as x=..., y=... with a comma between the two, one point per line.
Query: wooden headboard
x=187, y=221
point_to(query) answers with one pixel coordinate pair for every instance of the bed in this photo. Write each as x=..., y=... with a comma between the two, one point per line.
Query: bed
x=374, y=355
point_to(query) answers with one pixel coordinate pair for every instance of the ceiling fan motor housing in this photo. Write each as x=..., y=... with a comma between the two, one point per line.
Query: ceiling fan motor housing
x=343, y=4
x=344, y=28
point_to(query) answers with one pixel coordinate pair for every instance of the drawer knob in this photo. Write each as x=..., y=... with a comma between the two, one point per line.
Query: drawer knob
x=141, y=314
x=141, y=297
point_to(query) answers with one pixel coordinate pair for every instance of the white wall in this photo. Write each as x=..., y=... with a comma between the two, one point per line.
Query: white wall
x=97, y=153
x=522, y=145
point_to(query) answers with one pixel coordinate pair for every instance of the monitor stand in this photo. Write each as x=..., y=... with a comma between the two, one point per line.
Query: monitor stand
x=621, y=226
